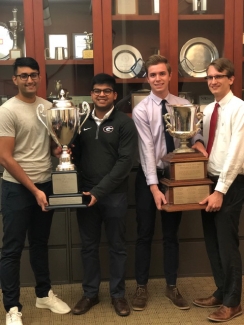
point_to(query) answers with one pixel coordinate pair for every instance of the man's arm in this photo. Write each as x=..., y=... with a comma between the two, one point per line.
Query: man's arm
x=7, y=145
x=199, y=145
x=233, y=162
x=147, y=157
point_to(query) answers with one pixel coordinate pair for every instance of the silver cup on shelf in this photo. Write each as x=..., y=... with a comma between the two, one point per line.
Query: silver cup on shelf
x=199, y=6
x=15, y=26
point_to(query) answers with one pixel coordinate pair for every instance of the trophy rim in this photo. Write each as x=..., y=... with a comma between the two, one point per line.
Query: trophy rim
x=183, y=105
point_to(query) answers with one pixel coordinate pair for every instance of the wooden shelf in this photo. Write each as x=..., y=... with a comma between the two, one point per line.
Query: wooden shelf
x=136, y=17
x=201, y=17
x=56, y=62
x=7, y=62
x=70, y=62
x=191, y=79
x=131, y=81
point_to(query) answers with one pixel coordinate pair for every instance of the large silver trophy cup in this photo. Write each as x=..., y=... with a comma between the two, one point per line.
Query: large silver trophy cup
x=185, y=181
x=63, y=122
x=182, y=124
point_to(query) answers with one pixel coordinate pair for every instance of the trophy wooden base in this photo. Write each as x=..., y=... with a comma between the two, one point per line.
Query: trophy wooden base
x=185, y=183
x=65, y=191
x=14, y=54
x=65, y=199
x=183, y=207
x=87, y=54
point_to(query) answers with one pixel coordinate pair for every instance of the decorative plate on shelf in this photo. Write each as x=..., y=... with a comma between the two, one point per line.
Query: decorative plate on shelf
x=6, y=42
x=195, y=56
x=127, y=61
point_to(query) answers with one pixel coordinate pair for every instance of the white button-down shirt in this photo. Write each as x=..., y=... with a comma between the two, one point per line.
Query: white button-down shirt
x=227, y=154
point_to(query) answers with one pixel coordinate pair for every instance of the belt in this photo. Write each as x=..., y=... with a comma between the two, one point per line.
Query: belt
x=239, y=178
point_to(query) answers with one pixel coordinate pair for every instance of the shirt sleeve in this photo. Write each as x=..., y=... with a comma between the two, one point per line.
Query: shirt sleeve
x=7, y=128
x=146, y=145
x=235, y=154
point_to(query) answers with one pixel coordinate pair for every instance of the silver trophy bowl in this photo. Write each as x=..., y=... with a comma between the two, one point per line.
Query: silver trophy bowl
x=182, y=124
x=63, y=123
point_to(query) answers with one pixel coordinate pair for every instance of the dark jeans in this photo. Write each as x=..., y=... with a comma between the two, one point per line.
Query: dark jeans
x=111, y=210
x=145, y=216
x=21, y=215
x=222, y=244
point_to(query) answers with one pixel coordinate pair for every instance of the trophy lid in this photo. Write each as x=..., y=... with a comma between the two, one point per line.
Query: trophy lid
x=63, y=102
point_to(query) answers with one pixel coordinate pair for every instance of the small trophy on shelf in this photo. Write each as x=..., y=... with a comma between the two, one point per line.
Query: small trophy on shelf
x=88, y=51
x=15, y=26
x=58, y=87
x=199, y=6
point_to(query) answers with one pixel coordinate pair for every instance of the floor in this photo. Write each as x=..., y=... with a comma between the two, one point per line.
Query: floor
x=159, y=309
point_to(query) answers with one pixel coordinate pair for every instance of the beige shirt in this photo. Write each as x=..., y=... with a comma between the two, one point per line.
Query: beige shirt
x=32, y=142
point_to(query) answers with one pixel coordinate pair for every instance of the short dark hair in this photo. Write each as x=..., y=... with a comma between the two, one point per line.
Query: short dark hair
x=223, y=64
x=26, y=62
x=157, y=59
x=103, y=78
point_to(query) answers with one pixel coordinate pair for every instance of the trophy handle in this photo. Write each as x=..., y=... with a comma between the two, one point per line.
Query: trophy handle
x=85, y=110
x=40, y=112
x=169, y=126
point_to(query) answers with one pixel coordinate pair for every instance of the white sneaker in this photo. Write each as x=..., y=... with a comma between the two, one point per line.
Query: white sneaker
x=13, y=317
x=53, y=303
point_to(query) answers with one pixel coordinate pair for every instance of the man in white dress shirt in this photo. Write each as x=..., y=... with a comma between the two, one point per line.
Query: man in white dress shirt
x=225, y=167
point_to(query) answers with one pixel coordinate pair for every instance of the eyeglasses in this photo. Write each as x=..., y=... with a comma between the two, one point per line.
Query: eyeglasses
x=25, y=76
x=217, y=77
x=106, y=91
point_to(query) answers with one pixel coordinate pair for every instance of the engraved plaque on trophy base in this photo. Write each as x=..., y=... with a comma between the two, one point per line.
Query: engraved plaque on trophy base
x=65, y=182
x=87, y=54
x=64, y=199
x=185, y=181
x=67, y=201
x=14, y=54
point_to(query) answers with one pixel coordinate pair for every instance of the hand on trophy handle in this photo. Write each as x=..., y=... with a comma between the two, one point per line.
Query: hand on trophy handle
x=85, y=110
x=200, y=117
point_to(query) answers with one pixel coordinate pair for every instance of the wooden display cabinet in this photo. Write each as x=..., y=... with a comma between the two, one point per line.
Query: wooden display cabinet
x=149, y=32
x=168, y=31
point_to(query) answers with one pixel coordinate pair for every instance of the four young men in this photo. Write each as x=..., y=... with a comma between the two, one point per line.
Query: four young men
x=103, y=153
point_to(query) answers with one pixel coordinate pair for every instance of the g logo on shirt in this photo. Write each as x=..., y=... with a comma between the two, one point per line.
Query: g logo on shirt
x=108, y=129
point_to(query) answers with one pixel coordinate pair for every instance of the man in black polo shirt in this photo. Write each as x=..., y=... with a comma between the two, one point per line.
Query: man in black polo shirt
x=103, y=154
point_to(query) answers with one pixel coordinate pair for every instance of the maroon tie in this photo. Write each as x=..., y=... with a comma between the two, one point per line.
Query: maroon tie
x=212, y=128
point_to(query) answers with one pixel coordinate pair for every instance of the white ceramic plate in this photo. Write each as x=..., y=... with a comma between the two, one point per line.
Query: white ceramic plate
x=127, y=61
x=195, y=56
x=6, y=42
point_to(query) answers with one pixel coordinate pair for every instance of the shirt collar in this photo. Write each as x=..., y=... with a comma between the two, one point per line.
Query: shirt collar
x=226, y=99
x=106, y=116
x=157, y=99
